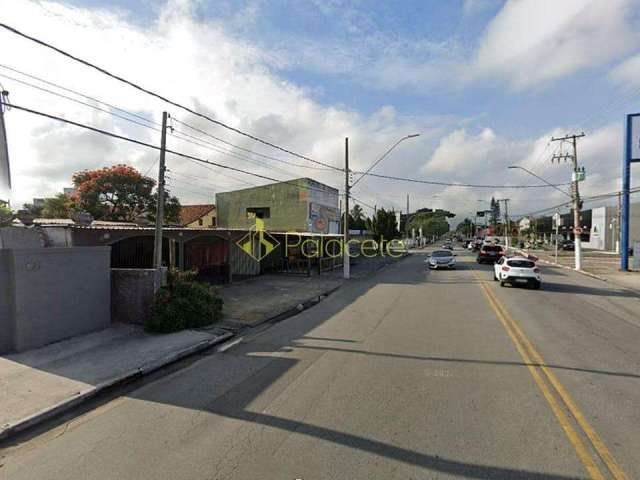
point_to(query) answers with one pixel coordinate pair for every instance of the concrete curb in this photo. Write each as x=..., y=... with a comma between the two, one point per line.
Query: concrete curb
x=592, y=275
x=82, y=396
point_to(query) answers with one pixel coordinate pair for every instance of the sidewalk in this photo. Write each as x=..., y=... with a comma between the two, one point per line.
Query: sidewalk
x=601, y=265
x=38, y=384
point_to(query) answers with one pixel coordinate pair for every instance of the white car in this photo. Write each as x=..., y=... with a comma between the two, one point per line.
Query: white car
x=517, y=271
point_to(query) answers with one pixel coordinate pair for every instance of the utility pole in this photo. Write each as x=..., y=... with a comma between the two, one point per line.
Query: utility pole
x=347, y=258
x=578, y=175
x=157, y=246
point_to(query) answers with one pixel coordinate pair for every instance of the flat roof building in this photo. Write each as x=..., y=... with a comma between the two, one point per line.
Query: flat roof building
x=300, y=205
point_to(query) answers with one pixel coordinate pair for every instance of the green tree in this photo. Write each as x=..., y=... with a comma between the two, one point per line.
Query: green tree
x=432, y=223
x=357, y=220
x=32, y=209
x=60, y=206
x=6, y=215
x=120, y=193
x=383, y=225
x=466, y=227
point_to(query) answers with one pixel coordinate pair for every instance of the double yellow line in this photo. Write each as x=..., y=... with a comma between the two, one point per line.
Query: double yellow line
x=547, y=382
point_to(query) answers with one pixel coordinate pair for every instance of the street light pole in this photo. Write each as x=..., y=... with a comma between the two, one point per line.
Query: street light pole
x=383, y=157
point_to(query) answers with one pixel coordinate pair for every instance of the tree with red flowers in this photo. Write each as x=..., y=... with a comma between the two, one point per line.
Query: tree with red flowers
x=120, y=193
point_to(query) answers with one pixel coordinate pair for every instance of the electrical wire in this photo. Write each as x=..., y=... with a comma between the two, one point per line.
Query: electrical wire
x=195, y=129
x=46, y=90
x=75, y=92
x=155, y=147
x=158, y=96
x=457, y=184
x=213, y=146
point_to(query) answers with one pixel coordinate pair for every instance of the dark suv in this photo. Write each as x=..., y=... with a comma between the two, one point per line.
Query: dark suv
x=490, y=253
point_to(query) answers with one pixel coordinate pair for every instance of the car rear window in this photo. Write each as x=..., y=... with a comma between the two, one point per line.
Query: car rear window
x=521, y=263
x=491, y=248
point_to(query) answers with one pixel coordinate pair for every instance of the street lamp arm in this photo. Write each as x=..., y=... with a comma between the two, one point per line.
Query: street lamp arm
x=542, y=179
x=384, y=156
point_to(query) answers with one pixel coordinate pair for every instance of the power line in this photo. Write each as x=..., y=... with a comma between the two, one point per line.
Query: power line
x=158, y=96
x=242, y=148
x=224, y=152
x=46, y=90
x=154, y=147
x=456, y=184
x=75, y=92
x=568, y=203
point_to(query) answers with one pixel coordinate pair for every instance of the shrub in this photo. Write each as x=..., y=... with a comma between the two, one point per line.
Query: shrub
x=183, y=303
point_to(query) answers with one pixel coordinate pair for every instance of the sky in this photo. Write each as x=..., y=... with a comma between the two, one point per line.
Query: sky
x=486, y=84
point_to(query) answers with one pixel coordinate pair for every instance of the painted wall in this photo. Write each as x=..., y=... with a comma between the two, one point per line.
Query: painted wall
x=52, y=293
x=290, y=206
x=599, y=229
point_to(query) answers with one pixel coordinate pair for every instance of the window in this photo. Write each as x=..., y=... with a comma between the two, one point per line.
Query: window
x=200, y=221
x=258, y=212
x=521, y=264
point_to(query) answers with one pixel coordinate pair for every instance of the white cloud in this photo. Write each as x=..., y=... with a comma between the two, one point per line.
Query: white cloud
x=627, y=73
x=201, y=65
x=534, y=41
x=528, y=44
x=483, y=158
x=198, y=64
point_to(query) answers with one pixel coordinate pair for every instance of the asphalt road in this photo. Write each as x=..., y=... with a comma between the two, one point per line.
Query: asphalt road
x=409, y=375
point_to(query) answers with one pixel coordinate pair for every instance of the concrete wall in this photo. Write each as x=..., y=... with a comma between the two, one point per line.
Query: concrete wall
x=132, y=292
x=599, y=229
x=291, y=205
x=7, y=326
x=21, y=237
x=53, y=293
x=287, y=203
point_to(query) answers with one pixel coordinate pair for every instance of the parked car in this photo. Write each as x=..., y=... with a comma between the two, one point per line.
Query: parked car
x=489, y=253
x=442, y=259
x=517, y=271
x=568, y=245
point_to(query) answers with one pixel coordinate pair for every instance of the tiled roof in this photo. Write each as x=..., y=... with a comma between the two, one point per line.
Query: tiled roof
x=191, y=213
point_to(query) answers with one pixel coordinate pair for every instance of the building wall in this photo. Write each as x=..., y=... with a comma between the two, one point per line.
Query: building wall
x=52, y=294
x=287, y=203
x=132, y=292
x=7, y=325
x=208, y=220
x=293, y=206
x=599, y=229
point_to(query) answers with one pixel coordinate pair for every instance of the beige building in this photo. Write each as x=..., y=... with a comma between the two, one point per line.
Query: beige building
x=198, y=216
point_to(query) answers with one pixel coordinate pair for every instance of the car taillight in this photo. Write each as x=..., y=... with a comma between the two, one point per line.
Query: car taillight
x=536, y=270
x=505, y=269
